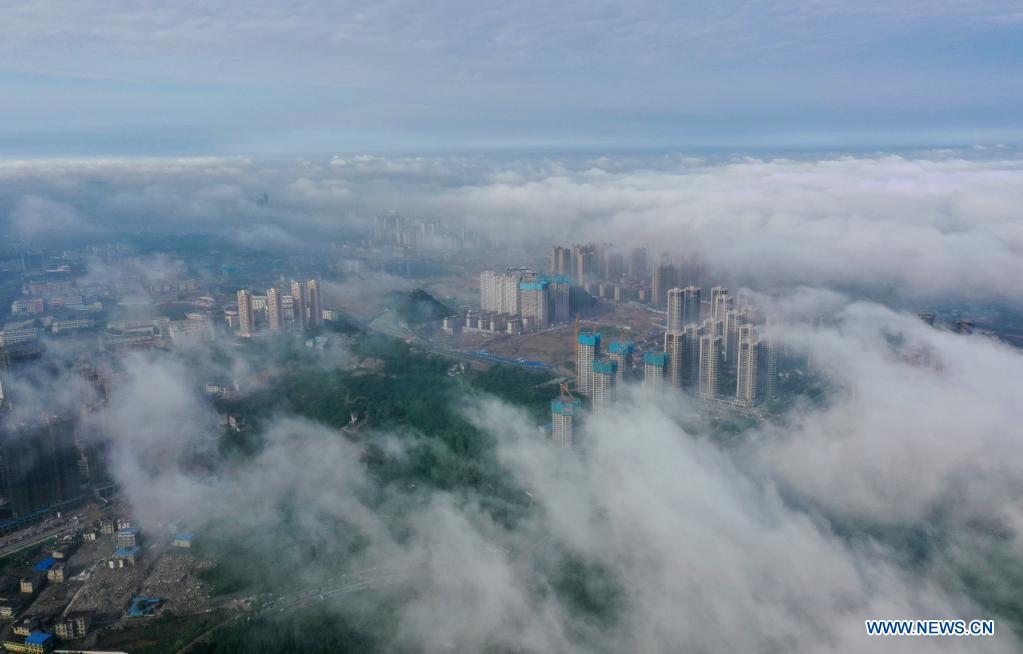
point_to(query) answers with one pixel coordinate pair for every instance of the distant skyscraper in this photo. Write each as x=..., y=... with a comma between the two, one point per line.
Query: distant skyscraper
x=274, y=310
x=638, y=266
x=612, y=265
x=589, y=351
x=665, y=276
x=314, y=305
x=621, y=353
x=768, y=362
x=712, y=327
x=676, y=301
x=690, y=305
x=299, y=304
x=719, y=302
x=584, y=259
x=674, y=347
x=561, y=261
x=246, y=318
x=733, y=321
x=560, y=292
x=605, y=375
x=654, y=366
x=747, y=376
x=690, y=354
x=563, y=414
x=710, y=361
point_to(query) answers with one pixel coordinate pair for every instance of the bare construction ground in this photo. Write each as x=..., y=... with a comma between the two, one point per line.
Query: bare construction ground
x=557, y=346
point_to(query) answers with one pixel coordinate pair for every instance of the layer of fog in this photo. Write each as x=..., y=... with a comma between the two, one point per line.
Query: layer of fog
x=927, y=225
x=785, y=540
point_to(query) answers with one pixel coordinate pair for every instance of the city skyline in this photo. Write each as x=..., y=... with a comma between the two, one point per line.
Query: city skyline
x=463, y=327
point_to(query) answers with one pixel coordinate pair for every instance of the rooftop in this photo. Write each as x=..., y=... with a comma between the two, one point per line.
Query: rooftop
x=45, y=564
x=533, y=286
x=38, y=638
x=565, y=406
x=127, y=551
x=655, y=358
x=621, y=347
x=589, y=338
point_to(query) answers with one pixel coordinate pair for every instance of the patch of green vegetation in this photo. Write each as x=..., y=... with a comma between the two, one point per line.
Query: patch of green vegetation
x=419, y=307
x=28, y=556
x=313, y=631
x=165, y=634
x=528, y=388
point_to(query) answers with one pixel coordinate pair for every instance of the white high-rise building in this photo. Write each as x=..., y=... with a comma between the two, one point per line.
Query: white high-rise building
x=746, y=388
x=675, y=348
x=712, y=327
x=511, y=296
x=246, y=317
x=676, y=302
x=491, y=292
x=690, y=354
x=690, y=305
x=733, y=320
x=605, y=374
x=563, y=415
x=274, y=310
x=654, y=367
x=710, y=362
x=589, y=351
x=500, y=293
x=720, y=302
x=621, y=353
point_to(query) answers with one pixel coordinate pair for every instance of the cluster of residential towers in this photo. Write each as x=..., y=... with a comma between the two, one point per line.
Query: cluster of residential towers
x=711, y=349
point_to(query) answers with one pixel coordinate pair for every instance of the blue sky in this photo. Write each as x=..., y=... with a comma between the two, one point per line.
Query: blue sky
x=92, y=77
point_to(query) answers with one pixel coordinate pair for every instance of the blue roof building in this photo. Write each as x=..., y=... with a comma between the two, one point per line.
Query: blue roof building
x=539, y=285
x=621, y=347
x=142, y=606
x=38, y=638
x=128, y=554
x=45, y=564
x=605, y=367
x=564, y=406
x=37, y=641
x=659, y=359
x=589, y=338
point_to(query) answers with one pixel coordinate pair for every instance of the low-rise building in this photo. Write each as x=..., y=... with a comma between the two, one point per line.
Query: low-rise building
x=55, y=575
x=33, y=583
x=128, y=537
x=73, y=625
x=127, y=554
x=25, y=626
x=10, y=607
